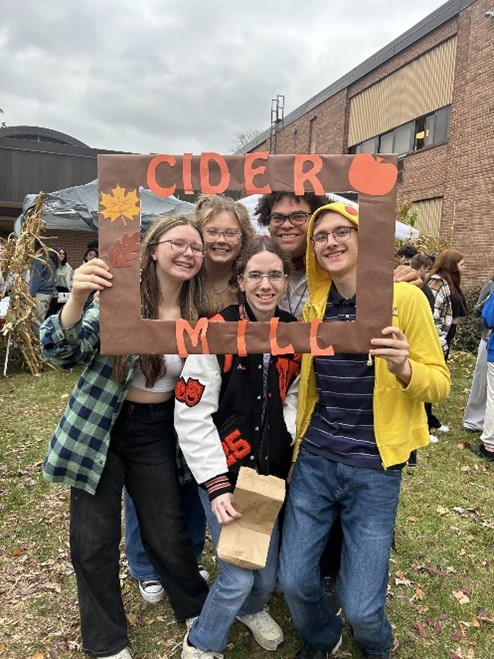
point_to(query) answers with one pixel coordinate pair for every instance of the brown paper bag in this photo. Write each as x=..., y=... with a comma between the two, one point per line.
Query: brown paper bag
x=245, y=542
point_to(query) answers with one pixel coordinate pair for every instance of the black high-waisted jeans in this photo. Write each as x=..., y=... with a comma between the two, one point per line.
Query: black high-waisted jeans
x=141, y=457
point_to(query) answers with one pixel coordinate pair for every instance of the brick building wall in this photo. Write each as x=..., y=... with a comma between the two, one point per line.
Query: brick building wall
x=469, y=184
x=460, y=171
x=73, y=242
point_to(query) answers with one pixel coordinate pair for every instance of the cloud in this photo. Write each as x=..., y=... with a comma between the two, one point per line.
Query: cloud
x=180, y=75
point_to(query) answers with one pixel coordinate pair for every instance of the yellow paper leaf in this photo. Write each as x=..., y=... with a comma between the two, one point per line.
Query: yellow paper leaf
x=120, y=204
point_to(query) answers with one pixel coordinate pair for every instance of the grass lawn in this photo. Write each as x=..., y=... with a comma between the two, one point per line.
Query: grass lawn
x=441, y=594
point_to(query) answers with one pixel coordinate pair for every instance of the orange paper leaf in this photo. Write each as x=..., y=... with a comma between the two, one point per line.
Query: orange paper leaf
x=124, y=251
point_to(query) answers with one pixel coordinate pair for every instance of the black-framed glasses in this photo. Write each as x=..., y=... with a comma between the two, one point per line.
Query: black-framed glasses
x=178, y=245
x=299, y=217
x=340, y=234
x=275, y=276
x=230, y=235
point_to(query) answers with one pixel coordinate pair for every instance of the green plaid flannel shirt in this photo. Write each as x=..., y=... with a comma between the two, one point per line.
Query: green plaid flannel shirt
x=79, y=446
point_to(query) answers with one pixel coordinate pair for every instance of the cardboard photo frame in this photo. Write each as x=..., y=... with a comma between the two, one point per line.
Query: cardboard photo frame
x=123, y=330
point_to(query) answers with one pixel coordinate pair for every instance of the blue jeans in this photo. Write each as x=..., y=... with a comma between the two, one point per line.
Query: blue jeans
x=141, y=456
x=140, y=567
x=367, y=501
x=235, y=592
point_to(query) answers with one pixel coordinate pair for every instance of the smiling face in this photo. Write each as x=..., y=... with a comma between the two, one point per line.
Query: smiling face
x=176, y=262
x=263, y=295
x=221, y=249
x=338, y=258
x=291, y=238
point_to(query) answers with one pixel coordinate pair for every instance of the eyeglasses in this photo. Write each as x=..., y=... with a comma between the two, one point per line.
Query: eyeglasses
x=275, y=276
x=340, y=234
x=277, y=219
x=230, y=235
x=182, y=246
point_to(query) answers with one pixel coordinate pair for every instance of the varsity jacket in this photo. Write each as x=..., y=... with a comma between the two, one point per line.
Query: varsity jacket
x=219, y=416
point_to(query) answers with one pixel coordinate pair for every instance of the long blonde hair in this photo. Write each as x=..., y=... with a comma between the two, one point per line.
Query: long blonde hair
x=196, y=297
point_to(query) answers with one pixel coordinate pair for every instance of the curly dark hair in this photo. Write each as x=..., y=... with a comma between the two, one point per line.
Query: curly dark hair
x=266, y=203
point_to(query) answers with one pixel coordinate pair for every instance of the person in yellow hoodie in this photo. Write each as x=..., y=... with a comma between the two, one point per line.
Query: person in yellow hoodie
x=358, y=420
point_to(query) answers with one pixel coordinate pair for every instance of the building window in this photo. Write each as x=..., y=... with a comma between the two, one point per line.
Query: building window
x=428, y=130
x=432, y=128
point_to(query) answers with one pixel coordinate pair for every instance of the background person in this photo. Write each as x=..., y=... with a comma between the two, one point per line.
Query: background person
x=42, y=282
x=118, y=430
x=63, y=282
x=473, y=418
x=449, y=307
x=486, y=447
x=405, y=254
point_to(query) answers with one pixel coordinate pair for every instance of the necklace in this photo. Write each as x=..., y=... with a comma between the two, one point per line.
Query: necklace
x=222, y=290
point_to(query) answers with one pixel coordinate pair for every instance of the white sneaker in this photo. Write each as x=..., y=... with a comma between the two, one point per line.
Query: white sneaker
x=189, y=622
x=123, y=654
x=203, y=572
x=151, y=590
x=189, y=652
x=443, y=428
x=433, y=439
x=265, y=630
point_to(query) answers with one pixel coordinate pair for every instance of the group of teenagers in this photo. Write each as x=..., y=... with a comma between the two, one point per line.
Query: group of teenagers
x=339, y=429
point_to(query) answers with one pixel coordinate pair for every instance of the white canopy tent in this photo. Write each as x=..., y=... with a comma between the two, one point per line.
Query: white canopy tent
x=402, y=231
x=76, y=208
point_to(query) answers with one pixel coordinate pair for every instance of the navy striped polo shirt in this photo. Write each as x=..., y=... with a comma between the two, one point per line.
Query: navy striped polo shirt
x=342, y=424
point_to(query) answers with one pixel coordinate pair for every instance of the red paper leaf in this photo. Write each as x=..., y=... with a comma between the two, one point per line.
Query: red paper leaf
x=124, y=251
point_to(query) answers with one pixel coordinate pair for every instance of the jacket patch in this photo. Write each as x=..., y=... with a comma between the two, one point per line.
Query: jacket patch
x=235, y=447
x=287, y=370
x=189, y=392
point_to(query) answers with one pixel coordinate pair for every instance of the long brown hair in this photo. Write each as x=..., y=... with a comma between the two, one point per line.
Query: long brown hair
x=446, y=266
x=196, y=298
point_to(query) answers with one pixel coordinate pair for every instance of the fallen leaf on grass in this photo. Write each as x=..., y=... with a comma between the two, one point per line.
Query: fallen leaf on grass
x=461, y=596
x=419, y=592
x=419, y=627
x=441, y=510
x=483, y=615
x=38, y=655
x=463, y=445
x=457, y=635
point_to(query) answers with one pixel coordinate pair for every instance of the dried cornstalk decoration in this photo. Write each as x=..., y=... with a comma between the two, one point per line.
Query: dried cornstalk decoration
x=18, y=257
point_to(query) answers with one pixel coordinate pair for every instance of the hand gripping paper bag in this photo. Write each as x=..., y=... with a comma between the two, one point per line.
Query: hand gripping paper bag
x=245, y=542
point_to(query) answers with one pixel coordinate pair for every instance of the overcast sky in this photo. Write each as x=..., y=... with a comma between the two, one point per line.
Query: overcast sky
x=179, y=76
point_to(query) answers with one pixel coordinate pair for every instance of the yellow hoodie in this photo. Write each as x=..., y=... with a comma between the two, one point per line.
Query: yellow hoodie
x=400, y=423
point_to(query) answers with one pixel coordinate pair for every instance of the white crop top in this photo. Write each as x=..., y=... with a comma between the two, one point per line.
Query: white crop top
x=174, y=366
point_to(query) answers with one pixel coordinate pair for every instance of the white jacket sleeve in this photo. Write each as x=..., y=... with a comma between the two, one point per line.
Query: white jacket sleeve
x=290, y=407
x=197, y=434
